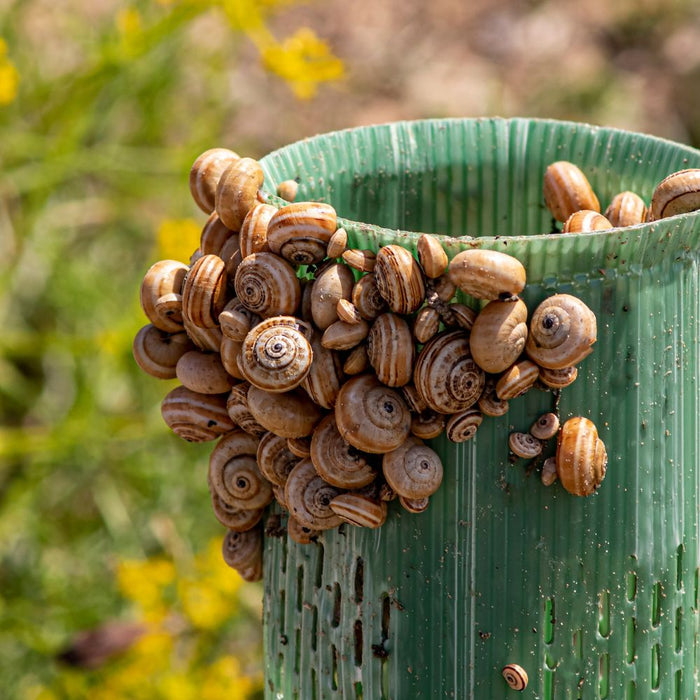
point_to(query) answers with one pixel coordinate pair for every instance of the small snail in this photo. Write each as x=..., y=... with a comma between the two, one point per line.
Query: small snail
x=164, y=280
x=463, y=426
x=367, y=299
x=203, y=372
x=337, y=243
x=432, y=256
x=157, y=352
x=524, y=445
x=413, y=470
x=299, y=232
x=236, y=191
x=515, y=676
x=545, y=427
x=390, y=350
x=275, y=460
x=301, y=534
x=516, y=380
x=558, y=378
x=498, y=335
x=291, y=414
x=399, y=279
x=237, y=407
x=567, y=190
x=243, y=551
x=341, y=335
x=679, y=193
x=205, y=174
x=267, y=285
x=428, y=425
x=309, y=497
x=585, y=221
x=362, y=260
x=196, y=417
x=235, y=320
x=204, y=292
x=333, y=283
x=325, y=377
x=214, y=236
x=253, y=234
x=581, y=457
x=287, y=189
x=427, y=324
x=626, y=209
x=359, y=510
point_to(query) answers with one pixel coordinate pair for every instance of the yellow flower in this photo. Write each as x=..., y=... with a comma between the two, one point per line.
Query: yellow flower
x=177, y=239
x=143, y=581
x=304, y=61
x=223, y=680
x=130, y=28
x=213, y=569
x=204, y=606
x=9, y=76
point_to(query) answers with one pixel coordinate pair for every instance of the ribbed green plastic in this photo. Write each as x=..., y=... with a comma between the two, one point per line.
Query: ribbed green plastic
x=594, y=597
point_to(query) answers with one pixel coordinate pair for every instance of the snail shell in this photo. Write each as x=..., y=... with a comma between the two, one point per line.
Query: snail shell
x=516, y=380
x=626, y=209
x=399, y=279
x=489, y=403
x=230, y=352
x=275, y=460
x=524, y=445
x=427, y=324
x=413, y=470
x=157, y=352
x=276, y=355
x=308, y=497
x=549, y=471
x=443, y=287
x=278, y=492
x=323, y=381
x=242, y=551
x=347, y=312
x=366, y=297
x=333, y=283
x=253, y=233
x=487, y=274
x=300, y=533
x=567, y=190
x=164, y=279
x=214, y=236
x=562, y=331
x=207, y=339
x=204, y=292
x=234, y=473
x=370, y=416
x=238, y=411
x=231, y=255
x=414, y=505
x=203, y=372
x=585, y=221
x=427, y=425
x=357, y=361
x=462, y=315
x=445, y=374
x=337, y=243
x=300, y=232
x=558, y=378
x=233, y=518
x=432, y=256
x=498, y=335
x=545, y=427
x=267, y=285
x=290, y=415
x=307, y=286
x=390, y=350
x=235, y=320
x=237, y=190
x=679, y=193
x=581, y=457
x=463, y=426
x=515, y=676
x=344, y=336
x=362, y=260
x=415, y=402
x=300, y=447
x=356, y=509
x=287, y=190
x=196, y=417
x=205, y=174
x=336, y=461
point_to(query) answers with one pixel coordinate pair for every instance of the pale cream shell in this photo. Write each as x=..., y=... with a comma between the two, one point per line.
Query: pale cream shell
x=487, y=274
x=498, y=335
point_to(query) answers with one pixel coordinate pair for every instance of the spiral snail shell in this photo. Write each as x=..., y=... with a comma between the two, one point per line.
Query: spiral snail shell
x=370, y=416
x=336, y=461
x=309, y=497
x=341, y=335
x=558, y=378
x=253, y=233
x=267, y=285
x=196, y=417
x=446, y=376
x=333, y=283
x=390, y=350
x=164, y=279
x=236, y=191
x=157, y=352
x=238, y=411
x=679, y=193
x=287, y=190
x=290, y=415
x=235, y=320
x=427, y=425
x=562, y=331
x=204, y=292
x=362, y=260
x=300, y=232
x=432, y=256
x=359, y=510
x=347, y=312
x=337, y=243
x=242, y=551
x=203, y=372
x=275, y=460
x=498, y=335
x=323, y=381
x=515, y=676
x=489, y=403
x=399, y=279
x=487, y=274
x=545, y=427
x=581, y=457
x=233, y=518
x=516, y=380
x=214, y=236
x=205, y=174
x=413, y=470
x=626, y=209
x=366, y=297
x=567, y=190
x=462, y=426
x=426, y=324
x=585, y=221
x=524, y=445
x=357, y=361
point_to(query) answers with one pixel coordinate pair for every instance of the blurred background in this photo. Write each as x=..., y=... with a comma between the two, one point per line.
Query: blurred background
x=105, y=519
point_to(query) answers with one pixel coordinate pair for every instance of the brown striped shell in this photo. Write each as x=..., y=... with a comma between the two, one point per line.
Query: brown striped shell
x=390, y=350
x=301, y=447
x=204, y=292
x=487, y=274
x=567, y=190
x=515, y=676
x=290, y=415
x=203, y=372
x=242, y=551
x=399, y=279
x=237, y=190
x=267, y=285
x=461, y=315
x=413, y=470
x=205, y=175
x=516, y=380
x=415, y=402
x=196, y=417
x=348, y=312
x=462, y=426
x=308, y=497
x=357, y=361
x=366, y=297
x=524, y=445
x=253, y=233
x=489, y=403
x=214, y=235
x=164, y=279
x=414, y=505
x=338, y=462
x=157, y=352
x=498, y=335
x=370, y=416
x=276, y=354
x=300, y=232
x=360, y=510
x=545, y=427
x=558, y=378
x=333, y=283
x=585, y=221
x=325, y=377
x=562, y=331
x=275, y=460
x=679, y=193
x=432, y=256
x=445, y=374
x=427, y=425
x=207, y=339
x=581, y=457
x=234, y=518
x=362, y=260
x=626, y=209
x=238, y=411
x=337, y=243
x=427, y=324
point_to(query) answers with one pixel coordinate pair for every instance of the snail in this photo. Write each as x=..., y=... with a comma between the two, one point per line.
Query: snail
x=301, y=534
x=462, y=426
x=487, y=274
x=230, y=351
x=549, y=471
x=214, y=236
x=309, y=497
x=337, y=243
x=515, y=676
x=238, y=411
x=679, y=193
x=287, y=190
x=585, y=221
x=243, y=551
x=446, y=376
x=370, y=416
x=562, y=331
x=235, y=320
x=516, y=380
x=489, y=403
x=275, y=460
x=399, y=279
x=341, y=335
x=567, y=190
x=366, y=297
x=336, y=461
x=204, y=292
x=203, y=372
x=348, y=312
x=581, y=457
x=205, y=174
x=413, y=470
x=207, y=339
x=498, y=335
x=290, y=415
x=524, y=445
x=356, y=509
x=267, y=285
x=414, y=505
x=276, y=354
x=196, y=417
x=426, y=324
x=427, y=425
x=390, y=350
x=157, y=352
x=357, y=360
x=545, y=427
x=362, y=260
x=323, y=381
x=236, y=191
x=300, y=447
x=230, y=253
x=432, y=256
x=233, y=518
x=163, y=283
x=333, y=283
x=626, y=209
x=253, y=234
x=460, y=315
x=558, y=378
x=300, y=232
